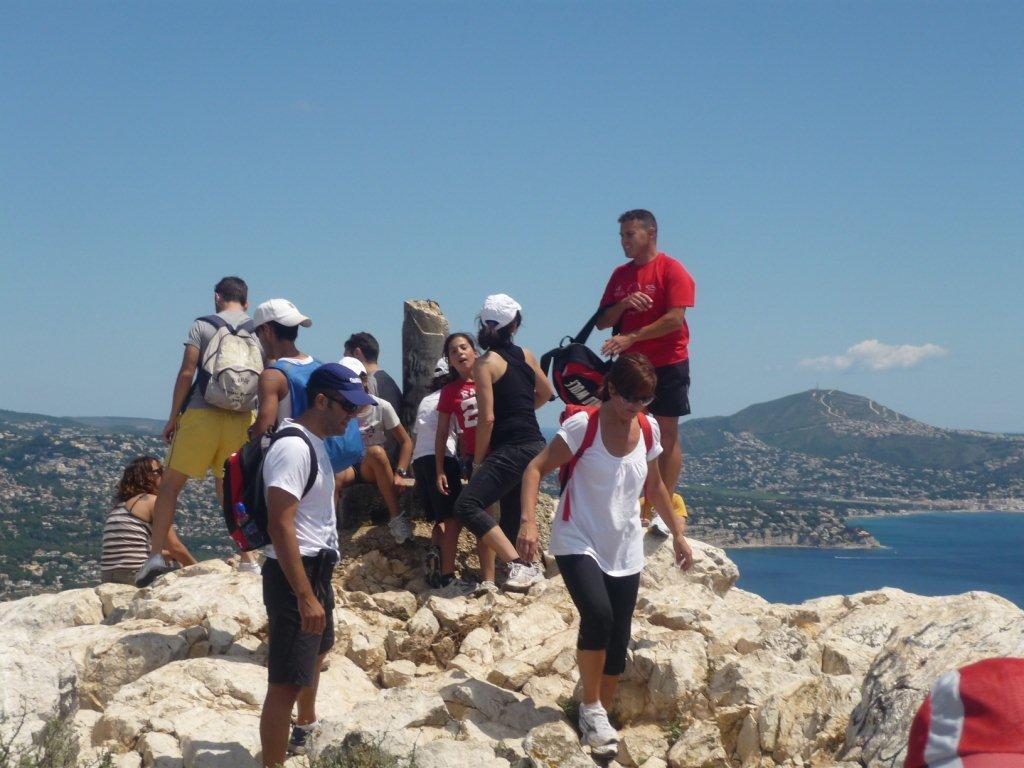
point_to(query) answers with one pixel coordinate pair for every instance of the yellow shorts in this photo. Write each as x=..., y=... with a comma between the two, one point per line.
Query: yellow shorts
x=205, y=438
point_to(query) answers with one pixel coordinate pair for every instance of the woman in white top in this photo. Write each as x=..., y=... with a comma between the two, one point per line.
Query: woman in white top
x=597, y=536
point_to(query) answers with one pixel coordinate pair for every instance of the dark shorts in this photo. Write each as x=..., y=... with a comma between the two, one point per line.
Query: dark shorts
x=436, y=506
x=293, y=653
x=672, y=395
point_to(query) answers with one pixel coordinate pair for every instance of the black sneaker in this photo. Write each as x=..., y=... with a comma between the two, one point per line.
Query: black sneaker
x=432, y=567
x=300, y=737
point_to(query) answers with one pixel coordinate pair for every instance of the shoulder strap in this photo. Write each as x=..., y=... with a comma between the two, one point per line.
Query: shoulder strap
x=593, y=421
x=282, y=365
x=645, y=427
x=215, y=320
x=586, y=330
x=314, y=465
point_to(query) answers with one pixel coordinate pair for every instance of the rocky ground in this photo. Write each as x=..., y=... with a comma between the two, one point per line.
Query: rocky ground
x=173, y=675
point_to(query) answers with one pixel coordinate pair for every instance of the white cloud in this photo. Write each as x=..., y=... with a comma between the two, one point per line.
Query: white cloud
x=873, y=355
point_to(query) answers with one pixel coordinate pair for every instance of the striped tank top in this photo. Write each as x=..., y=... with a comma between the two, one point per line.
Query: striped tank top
x=125, y=540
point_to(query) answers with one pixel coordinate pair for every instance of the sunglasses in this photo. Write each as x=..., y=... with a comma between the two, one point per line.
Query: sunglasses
x=345, y=404
x=158, y=471
x=643, y=402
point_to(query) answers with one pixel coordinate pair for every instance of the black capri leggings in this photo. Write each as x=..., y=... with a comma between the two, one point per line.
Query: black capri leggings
x=499, y=477
x=606, y=606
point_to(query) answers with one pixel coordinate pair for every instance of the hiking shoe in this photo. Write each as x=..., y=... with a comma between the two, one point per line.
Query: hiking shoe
x=432, y=567
x=250, y=568
x=151, y=569
x=485, y=587
x=401, y=528
x=300, y=737
x=596, y=732
x=522, y=576
x=451, y=582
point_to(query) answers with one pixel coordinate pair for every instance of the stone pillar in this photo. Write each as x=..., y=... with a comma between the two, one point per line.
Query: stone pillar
x=424, y=328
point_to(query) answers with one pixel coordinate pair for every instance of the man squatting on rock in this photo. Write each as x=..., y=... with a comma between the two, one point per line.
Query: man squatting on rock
x=645, y=303
x=300, y=561
x=597, y=535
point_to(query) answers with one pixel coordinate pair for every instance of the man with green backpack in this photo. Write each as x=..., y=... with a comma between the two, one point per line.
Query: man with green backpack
x=211, y=409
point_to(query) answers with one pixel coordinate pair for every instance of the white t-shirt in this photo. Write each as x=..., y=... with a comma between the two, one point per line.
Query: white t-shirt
x=426, y=428
x=284, y=405
x=378, y=420
x=286, y=466
x=604, y=520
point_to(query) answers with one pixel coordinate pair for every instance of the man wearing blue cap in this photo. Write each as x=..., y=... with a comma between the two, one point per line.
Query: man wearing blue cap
x=301, y=557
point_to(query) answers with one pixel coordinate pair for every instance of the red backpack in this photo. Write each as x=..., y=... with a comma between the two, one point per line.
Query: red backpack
x=565, y=473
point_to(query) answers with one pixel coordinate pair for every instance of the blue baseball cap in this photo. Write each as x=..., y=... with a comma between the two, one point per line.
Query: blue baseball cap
x=346, y=382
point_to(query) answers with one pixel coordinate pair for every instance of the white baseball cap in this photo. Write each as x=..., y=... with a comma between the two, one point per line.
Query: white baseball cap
x=354, y=364
x=499, y=310
x=280, y=311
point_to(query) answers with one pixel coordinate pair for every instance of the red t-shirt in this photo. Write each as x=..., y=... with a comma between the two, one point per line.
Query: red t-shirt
x=668, y=283
x=459, y=397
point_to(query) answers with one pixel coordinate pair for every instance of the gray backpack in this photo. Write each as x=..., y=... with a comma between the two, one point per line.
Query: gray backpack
x=231, y=366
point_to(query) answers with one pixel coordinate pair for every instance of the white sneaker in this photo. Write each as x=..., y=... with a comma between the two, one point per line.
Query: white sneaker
x=522, y=576
x=250, y=568
x=485, y=587
x=659, y=526
x=401, y=528
x=151, y=569
x=596, y=732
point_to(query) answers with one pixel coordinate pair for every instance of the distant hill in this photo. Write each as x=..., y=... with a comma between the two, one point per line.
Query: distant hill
x=104, y=424
x=831, y=424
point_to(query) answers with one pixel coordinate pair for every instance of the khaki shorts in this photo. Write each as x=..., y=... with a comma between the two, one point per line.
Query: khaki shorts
x=205, y=438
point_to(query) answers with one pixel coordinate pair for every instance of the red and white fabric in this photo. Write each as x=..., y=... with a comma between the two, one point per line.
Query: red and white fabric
x=973, y=718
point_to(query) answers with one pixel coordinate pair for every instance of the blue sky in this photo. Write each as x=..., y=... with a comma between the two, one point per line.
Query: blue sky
x=830, y=173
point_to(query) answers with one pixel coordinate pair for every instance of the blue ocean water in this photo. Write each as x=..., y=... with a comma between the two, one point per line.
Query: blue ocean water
x=929, y=554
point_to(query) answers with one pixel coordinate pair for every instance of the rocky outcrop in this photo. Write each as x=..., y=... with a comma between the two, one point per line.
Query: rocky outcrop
x=174, y=675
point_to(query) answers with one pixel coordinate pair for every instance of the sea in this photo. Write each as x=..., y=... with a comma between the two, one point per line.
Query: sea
x=929, y=554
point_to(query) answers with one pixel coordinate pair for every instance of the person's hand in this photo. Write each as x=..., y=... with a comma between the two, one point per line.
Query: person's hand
x=684, y=555
x=526, y=544
x=442, y=484
x=617, y=344
x=169, y=429
x=401, y=483
x=313, y=617
x=638, y=301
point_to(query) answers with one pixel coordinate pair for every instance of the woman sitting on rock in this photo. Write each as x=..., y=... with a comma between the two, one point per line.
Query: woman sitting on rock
x=597, y=535
x=128, y=529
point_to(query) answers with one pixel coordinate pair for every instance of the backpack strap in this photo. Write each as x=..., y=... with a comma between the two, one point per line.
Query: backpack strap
x=586, y=330
x=645, y=427
x=593, y=421
x=219, y=322
x=314, y=465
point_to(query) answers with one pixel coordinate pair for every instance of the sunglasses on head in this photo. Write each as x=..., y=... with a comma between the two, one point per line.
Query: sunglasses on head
x=158, y=471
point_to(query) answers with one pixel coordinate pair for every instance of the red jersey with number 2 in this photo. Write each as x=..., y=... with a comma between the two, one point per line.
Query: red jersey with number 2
x=669, y=285
x=459, y=397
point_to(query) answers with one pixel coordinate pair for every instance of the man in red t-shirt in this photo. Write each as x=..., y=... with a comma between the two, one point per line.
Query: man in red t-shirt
x=645, y=304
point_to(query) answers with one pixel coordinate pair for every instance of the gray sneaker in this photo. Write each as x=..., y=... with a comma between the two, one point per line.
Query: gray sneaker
x=597, y=733
x=401, y=528
x=485, y=587
x=153, y=568
x=522, y=576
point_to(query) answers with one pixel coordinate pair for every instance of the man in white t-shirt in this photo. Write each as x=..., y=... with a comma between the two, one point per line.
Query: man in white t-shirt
x=379, y=423
x=297, y=588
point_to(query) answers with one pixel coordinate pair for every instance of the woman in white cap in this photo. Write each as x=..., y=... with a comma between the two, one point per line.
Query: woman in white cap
x=510, y=386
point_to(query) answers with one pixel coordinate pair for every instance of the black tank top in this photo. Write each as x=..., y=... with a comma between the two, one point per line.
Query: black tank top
x=515, y=421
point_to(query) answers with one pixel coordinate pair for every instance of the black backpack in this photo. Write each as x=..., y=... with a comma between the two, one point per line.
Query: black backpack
x=575, y=369
x=245, y=505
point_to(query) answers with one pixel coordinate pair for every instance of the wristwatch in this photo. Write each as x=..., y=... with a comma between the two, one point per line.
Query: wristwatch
x=403, y=473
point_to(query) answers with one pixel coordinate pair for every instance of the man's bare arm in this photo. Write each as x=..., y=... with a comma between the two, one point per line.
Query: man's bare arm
x=638, y=301
x=273, y=386
x=182, y=385
x=667, y=323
